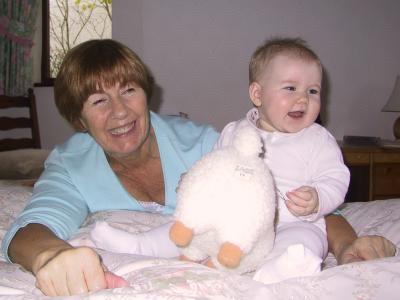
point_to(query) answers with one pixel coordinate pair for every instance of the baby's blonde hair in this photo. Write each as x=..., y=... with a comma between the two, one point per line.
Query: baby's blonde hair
x=271, y=48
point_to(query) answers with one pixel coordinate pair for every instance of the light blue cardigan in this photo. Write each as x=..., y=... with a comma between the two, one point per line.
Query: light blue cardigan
x=78, y=179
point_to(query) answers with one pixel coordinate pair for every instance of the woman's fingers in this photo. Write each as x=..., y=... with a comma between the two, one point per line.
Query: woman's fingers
x=367, y=248
x=76, y=284
x=70, y=272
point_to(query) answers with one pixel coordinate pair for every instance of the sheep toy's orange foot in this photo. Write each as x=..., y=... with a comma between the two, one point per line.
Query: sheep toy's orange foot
x=180, y=234
x=229, y=255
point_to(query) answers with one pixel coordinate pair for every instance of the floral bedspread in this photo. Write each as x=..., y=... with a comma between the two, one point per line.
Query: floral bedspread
x=153, y=278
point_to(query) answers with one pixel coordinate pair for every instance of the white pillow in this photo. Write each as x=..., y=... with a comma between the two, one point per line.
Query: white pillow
x=22, y=164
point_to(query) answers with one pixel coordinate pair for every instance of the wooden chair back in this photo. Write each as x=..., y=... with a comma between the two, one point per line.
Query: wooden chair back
x=31, y=122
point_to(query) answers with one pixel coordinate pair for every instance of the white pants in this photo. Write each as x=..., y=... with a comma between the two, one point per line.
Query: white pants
x=299, y=250
x=304, y=233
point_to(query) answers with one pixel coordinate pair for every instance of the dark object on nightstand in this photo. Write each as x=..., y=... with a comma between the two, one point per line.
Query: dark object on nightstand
x=357, y=140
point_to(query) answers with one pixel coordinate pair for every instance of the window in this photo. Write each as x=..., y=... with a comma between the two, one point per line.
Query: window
x=67, y=23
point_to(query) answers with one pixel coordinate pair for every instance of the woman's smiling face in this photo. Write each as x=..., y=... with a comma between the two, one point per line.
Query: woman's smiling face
x=117, y=118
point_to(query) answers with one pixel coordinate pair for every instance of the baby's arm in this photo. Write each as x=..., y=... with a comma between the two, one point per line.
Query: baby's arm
x=329, y=176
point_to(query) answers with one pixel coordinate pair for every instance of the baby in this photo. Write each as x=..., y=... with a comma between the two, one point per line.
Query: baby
x=285, y=78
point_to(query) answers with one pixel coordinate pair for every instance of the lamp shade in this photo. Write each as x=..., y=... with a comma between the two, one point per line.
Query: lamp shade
x=393, y=103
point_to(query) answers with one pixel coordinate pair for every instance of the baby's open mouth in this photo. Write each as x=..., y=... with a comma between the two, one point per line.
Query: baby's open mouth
x=296, y=114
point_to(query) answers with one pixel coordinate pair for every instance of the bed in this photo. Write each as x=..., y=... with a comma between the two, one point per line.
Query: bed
x=156, y=278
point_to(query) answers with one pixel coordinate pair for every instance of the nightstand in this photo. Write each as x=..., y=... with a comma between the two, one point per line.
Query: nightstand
x=375, y=172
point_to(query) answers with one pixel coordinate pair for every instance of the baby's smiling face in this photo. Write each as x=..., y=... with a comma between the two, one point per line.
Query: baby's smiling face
x=288, y=93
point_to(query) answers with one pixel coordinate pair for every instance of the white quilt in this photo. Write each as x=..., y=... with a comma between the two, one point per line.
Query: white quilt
x=152, y=278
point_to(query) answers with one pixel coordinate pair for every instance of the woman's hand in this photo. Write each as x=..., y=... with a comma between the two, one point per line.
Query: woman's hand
x=69, y=271
x=60, y=269
x=347, y=247
x=74, y=271
x=366, y=248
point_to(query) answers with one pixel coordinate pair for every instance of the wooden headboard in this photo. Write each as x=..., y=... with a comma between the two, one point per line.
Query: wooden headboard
x=31, y=122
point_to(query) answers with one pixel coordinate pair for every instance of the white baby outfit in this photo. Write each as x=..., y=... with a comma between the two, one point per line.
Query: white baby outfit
x=309, y=157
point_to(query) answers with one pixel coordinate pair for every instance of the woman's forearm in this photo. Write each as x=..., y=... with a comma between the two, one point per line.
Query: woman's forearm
x=340, y=234
x=33, y=245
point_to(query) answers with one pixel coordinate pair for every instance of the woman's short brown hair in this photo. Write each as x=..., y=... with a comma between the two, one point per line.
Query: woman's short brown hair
x=267, y=51
x=89, y=67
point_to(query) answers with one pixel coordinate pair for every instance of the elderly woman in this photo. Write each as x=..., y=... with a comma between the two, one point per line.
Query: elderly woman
x=122, y=157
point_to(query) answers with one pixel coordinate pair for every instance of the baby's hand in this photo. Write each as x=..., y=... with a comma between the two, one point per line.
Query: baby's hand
x=302, y=201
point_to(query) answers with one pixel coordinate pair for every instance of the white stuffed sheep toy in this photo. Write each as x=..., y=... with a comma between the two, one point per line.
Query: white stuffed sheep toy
x=226, y=206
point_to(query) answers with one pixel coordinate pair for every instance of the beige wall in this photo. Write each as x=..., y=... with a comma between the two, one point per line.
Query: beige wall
x=199, y=52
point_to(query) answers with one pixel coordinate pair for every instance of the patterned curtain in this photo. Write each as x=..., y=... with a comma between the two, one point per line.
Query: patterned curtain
x=17, y=28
